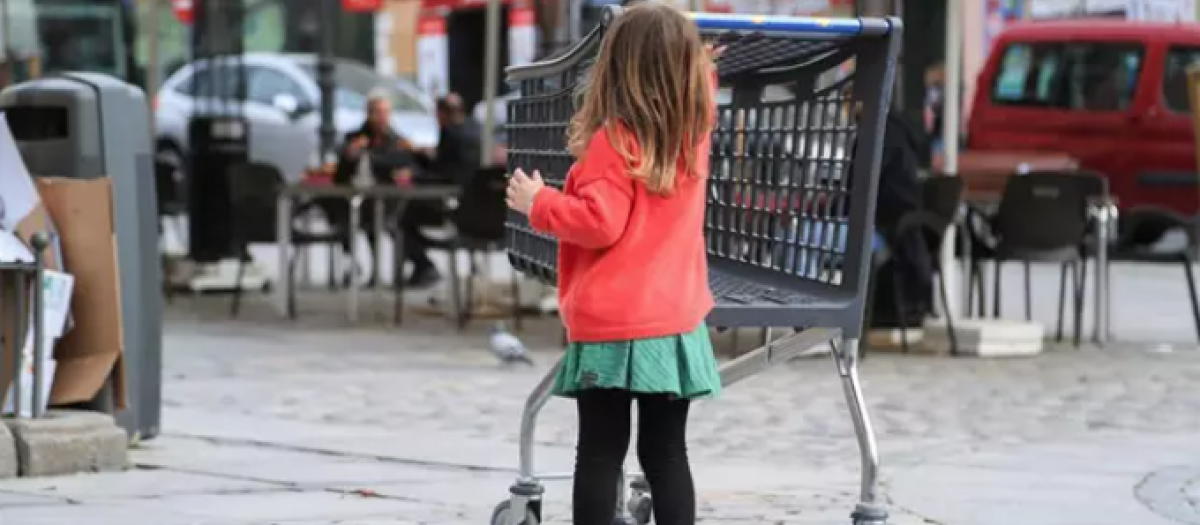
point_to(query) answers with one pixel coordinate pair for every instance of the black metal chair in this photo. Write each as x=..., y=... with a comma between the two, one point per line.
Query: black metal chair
x=1130, y=245
x=1042, y=217
x=478, y=228
x=253, y=190
x=941, y=198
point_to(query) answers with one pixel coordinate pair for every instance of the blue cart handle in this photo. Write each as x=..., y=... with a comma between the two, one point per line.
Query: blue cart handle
x=709, y=22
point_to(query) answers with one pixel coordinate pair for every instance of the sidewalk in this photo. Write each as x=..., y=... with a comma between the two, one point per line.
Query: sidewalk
x=268, y=422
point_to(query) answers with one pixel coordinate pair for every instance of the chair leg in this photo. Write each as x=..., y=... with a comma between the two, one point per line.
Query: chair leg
x=1080, y=294
x=967, y=310
x=946, y=313
x=996, y=289
x=1062, y=299
x=1028, y=294
x=455, y=288
x=981, y=304
x=901, y=314
x=1191, y=279
x=236, y=307
x=290, y=275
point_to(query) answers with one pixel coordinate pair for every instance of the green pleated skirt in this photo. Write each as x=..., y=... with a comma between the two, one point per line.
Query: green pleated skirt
x=681, y=365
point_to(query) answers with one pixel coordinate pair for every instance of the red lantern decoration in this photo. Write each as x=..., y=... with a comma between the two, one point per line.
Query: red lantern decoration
x=184, y=10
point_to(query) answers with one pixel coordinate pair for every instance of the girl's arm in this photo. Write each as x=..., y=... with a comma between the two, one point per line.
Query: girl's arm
x=595, y=214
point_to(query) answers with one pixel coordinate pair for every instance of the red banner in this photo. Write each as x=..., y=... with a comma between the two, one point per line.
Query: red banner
x=361, y=6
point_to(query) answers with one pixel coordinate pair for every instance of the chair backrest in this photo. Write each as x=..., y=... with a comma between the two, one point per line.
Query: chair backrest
x=942, y=196
x=481, y=209
x=1047, y=210
x=253, y=190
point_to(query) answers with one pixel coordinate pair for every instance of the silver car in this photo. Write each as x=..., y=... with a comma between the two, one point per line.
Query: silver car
x=281, y=105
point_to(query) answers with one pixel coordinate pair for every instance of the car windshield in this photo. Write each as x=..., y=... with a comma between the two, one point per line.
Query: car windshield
x=355, y=83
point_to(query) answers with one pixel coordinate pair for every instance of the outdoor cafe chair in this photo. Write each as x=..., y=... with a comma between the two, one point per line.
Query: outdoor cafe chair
x=1042, y=217
x=253, y=190
x=1130, y=244
x=478, y=228
x=941, y=198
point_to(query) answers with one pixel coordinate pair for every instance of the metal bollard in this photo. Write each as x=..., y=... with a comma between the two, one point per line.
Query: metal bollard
x=21, y=278
x=40, y=242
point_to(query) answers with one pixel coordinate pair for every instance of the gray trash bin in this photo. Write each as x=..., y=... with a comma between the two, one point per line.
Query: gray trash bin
x=84, y=126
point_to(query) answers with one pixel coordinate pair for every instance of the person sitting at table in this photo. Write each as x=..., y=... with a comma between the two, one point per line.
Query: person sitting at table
x=454, y=161
x=390, y=157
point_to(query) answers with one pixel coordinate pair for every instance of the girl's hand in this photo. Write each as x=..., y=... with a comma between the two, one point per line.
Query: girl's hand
x=522, y=189
x=714, y=51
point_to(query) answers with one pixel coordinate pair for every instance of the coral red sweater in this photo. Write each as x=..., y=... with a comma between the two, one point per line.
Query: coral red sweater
x=631, y=264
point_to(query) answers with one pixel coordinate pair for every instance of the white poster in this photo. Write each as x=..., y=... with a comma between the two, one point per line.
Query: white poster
x=522, y=36
x=433, y=51
x=18, y=196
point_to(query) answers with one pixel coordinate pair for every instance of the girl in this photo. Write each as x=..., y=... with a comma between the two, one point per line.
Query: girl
x=633, y=279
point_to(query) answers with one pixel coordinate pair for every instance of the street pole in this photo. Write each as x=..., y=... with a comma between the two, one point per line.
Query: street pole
x=491, y=77
x=329, y=11
x=153, y=71
x=952, y=108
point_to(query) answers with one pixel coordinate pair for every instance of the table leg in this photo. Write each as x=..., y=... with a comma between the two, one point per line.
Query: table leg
x=283, y=240
x=380, y=234
x=1100, y=330
x=355, y=224
x=398, y=258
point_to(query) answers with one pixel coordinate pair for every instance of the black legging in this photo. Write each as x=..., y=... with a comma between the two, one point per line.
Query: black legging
x=604, y=431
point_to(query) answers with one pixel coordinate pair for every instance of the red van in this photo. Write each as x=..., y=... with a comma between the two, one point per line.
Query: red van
x=1112, y=94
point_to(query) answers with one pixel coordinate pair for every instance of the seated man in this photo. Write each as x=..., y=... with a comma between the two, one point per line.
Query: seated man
x=454, y=161
x=389, y=155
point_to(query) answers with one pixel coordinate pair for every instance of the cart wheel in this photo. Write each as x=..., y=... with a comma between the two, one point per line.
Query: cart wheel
x=641, y=508
x=500, y=516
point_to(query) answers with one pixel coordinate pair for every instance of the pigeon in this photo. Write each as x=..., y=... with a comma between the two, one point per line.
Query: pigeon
x=507, y=347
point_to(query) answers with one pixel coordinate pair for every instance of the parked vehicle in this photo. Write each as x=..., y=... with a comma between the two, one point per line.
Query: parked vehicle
x=282, y=106
x=1111, y=94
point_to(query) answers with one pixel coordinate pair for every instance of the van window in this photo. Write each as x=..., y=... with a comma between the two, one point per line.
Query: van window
x=1078, y=76
x=1175, y=89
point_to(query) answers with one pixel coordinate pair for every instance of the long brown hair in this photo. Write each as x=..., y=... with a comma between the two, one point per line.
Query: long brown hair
x=650, y=80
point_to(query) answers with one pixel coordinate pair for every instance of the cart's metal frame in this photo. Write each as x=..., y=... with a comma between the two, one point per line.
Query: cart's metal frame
x=835, y=324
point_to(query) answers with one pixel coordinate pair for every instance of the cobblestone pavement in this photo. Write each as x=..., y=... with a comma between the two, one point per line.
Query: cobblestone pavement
x=306, y=424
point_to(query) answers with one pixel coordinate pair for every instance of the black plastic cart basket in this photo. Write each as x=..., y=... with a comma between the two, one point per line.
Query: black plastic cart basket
x=791, y=197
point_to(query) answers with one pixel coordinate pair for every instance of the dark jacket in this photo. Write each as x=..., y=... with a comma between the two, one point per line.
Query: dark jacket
x=457, y=156
x=386, y=151
x=910, y=263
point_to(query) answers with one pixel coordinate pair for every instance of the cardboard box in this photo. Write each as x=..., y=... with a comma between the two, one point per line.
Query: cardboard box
x=91, y=350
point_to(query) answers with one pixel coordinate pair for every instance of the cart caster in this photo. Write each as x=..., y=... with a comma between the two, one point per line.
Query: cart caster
x=502, y=515
x=869, y=514
x=641, y=508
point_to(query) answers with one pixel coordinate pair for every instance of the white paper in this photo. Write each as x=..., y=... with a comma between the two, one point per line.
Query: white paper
x=18, y=196
x=48, y=368
x=13, y=250
x=56, y=302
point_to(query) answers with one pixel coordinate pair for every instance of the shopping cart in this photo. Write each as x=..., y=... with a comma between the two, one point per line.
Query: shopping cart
x=794, y=170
